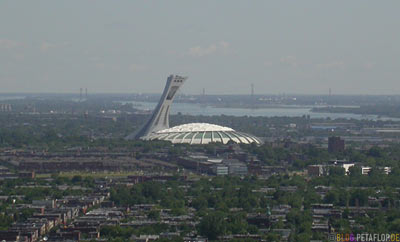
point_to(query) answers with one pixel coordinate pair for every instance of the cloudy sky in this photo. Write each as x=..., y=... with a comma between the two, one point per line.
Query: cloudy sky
x=281, y=46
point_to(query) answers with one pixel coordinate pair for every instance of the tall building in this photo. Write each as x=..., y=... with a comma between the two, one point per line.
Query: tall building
x=335, y=144
x=157, y=127
x=160, y=118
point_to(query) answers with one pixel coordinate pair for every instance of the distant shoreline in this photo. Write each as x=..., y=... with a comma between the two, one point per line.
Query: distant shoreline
x=380, y=111
x=266, y=106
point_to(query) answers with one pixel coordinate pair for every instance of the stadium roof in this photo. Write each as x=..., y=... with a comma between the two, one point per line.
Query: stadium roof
x=195, y=127
x=202, y=133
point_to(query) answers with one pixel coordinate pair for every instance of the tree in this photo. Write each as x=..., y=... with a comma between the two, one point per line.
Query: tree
x=154, y=215
x=359, y=197
x=395, y=226
x=332, y=197
x=355, y=171
x=237, y=223
x=375, y=152
x=213, y=225
x=76, y=179
x=200, y=203
x=303, y=237
x=5, y=221
x=336, y=171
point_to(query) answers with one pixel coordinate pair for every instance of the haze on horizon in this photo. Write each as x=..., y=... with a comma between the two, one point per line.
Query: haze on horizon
x=303, y=47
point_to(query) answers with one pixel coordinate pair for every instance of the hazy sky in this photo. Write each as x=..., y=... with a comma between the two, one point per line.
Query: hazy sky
x=223, y=46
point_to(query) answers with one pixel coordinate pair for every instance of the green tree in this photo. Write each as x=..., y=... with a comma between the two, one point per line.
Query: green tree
x=213, y=225
x=154, y=215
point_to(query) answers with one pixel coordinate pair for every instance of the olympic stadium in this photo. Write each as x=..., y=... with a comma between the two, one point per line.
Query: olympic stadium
x=202, y=133
x=157, y=127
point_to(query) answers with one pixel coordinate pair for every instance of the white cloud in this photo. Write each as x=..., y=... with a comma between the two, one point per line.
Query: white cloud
x=137, y=68
x=268, y=63
x=19, y=57
x=199, y=51
x=115, y=68
x=9, y=44
x=289, y=60
x=100, y=66
x=45, y=46
x=94, y=59
x=330, y=65
x=225, y=46
x=369, y=65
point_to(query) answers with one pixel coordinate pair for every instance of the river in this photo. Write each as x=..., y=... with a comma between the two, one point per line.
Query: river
x=287, y=111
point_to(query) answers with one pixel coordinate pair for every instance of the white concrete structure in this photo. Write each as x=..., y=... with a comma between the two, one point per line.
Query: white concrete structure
x=202, y=133
x=347, y=166
x=160, y=118
x=157, y=128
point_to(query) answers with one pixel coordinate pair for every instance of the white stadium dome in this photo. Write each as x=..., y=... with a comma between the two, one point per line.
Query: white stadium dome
x=202, y=133
x=157, y=127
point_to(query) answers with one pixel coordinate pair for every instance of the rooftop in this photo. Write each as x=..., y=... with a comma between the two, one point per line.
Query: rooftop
x=195, y=127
